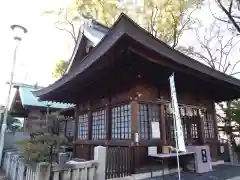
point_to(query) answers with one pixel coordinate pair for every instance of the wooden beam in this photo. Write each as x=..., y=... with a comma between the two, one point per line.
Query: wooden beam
x=189, y=133
x=151, y=142
x=214, y=121
x=65, y=128
x=90, y=119
x=163, y=125
x=200, y=129
x=76, y=116
x=108, y=120
x=134, y=117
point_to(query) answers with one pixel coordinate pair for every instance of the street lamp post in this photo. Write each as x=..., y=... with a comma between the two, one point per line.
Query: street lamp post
x=19, y=32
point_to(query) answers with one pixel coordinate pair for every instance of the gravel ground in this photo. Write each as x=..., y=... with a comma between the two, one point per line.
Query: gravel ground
x=220, y=172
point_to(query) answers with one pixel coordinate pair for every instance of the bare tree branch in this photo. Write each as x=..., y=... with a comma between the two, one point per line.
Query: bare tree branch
x=65, y=24
x=228, y=13
x=234, y=67
x=215, y=49
x=66, y=30
x=175, y=25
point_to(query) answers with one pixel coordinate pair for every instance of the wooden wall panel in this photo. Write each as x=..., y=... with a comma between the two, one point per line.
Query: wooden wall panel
x=33, y=120
x=84, y=151
x=144, y=91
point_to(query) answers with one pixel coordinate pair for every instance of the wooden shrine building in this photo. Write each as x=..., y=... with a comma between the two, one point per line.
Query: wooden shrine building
x=120, y=84
x=26, y=105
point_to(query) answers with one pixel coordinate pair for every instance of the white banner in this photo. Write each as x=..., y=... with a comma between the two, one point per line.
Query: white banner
x=176, y=116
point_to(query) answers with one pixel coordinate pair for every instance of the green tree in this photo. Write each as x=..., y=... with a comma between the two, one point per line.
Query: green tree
x=13, y=124
x=44, y=141
x=166, y=19
x=231, y=120
x=60, y=68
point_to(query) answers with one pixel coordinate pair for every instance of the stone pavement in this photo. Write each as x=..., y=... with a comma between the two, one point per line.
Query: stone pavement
x=220, y=172
x=2, y=176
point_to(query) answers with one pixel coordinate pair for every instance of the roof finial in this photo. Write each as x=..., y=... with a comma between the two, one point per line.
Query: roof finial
x=36, y=85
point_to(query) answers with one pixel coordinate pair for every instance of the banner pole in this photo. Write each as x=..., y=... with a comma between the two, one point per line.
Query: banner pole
x=176, y=140
x=179, y=139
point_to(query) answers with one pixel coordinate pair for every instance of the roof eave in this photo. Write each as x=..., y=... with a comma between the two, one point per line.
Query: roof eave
x=125, y=25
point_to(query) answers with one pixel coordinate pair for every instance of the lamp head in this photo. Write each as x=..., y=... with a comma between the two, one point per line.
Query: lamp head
x=19, y=31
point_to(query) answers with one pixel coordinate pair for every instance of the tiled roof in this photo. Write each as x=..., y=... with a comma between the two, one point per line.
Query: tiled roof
x=94, y=31
x=28, y=99
x=138, y=39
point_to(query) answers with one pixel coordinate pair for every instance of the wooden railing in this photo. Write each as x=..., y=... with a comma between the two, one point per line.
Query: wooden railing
x=82, y=170
x=119, y=162
x=16, y=168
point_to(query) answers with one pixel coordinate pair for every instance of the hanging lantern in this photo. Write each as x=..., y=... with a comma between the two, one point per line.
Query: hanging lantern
x=195, y=113
x=182, y=111
x=169, y=109
x=189, y=111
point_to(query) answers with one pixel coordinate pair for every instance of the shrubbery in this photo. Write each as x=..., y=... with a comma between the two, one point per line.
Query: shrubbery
x=44, y=142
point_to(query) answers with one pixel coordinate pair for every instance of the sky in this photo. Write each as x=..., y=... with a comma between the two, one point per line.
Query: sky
x=43, y=45
x=40, y=48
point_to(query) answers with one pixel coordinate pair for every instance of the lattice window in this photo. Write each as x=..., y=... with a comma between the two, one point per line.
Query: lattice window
x=185, y=133
x=99, y=124
x=147, y=113
x=70, y=128
x=189, y=118
x=194, y=130
x=194, y=123
x=170, y=123
x=185, y=120
x=172, y=132
x=210, y=126
x=83, y=126
x=143, y=126
x=121, y=122
x=205, y=125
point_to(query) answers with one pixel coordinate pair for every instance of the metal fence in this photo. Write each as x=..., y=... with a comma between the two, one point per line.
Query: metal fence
x=12, y=137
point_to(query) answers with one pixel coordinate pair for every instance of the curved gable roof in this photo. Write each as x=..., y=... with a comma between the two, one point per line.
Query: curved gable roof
x=93, y=32
x=125, y=26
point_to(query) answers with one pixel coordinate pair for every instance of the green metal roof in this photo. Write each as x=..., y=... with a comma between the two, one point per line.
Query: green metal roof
x=28, y=99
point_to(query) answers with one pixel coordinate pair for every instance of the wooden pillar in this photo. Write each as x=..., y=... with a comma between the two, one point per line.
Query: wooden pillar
x=89, y=121
x=214, y=121
x=200, y=125
x=108, y=122
x=76, y=115
x=215, y=146
x=163, y=125
x=189, y=133
x=134, y=117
